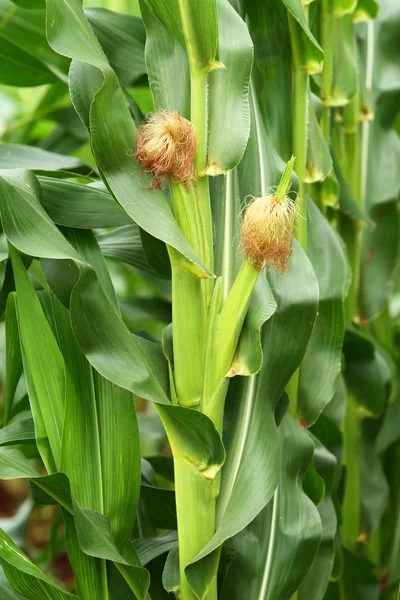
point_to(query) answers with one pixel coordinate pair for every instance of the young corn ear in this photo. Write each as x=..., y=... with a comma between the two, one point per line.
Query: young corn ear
x=267, y=229
x=166, y=147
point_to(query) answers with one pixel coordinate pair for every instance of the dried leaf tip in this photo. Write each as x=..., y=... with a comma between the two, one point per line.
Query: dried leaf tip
x=267, y=229
x=166, y=147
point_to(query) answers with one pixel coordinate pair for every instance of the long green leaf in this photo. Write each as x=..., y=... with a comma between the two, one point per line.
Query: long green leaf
x=229, y=118
x=321, y=366
x=284, y=538
x=80, y=206
x=43, y=366
x=134, y=364
x=195, y=26
x=13, y=356
x=24, y=576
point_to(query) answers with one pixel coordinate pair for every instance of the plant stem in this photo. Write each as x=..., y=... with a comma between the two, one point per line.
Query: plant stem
x=300, y=149
x=352, y=493
x=195, y=504
x=300, y=120
x=188, y=318
x=326, y=76
x=352, y=230
x=222, y=339
x=199, y=118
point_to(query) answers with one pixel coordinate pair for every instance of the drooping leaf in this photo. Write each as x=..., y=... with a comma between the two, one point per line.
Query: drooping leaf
x=13, y=356
x=122, y=38
x=25, y=577
x=76, y=205
x=43, y=367
x=229, y=118
x=321, y=365
x=20, y=432
x=18, y=156
x=284, y=537
x=316, y=581
x=194, y=26
x=29, y=228
x=363, y=374
x=149, y=548
x=250, y=411
x=164, y=58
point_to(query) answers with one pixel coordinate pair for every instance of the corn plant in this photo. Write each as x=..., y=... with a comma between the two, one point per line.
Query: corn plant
x=199, y=297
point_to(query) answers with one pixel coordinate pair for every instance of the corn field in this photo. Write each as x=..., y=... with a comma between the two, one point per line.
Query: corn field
x=199, y=299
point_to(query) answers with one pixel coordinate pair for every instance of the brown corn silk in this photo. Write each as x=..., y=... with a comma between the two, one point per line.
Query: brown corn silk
x=166, y=147
x=267, y=232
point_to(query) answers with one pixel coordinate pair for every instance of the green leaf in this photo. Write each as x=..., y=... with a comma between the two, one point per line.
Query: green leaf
x=319, y=160
x=24, y=576
x=149, y=548
x=97, y=410
x=316, y=581
x=365, y=10
x=90, y=573
x=17, y=156
x=229, y=116
x=7, y=592
x=379, y=255
x=363, y=374
x=69, y=34
x=136, y=364
x=125, y=244
x=193, y=436
x=252, y=405
x=359, y=579
x=270, y=33
x=32, y=4
x=43, y=367
x=321, y=365
x=94, y=536
x=170, y=577
x=164, y=58
x=158, y=506
x=122, y=38
x=374, y=484
x=194, y=25
x=13, y=356
x=25, y=31
x=313, y=53
x=80, y=206
x=18, y=68
x=284, y=537
x=20, y=432
x=345, y=68
x=249, y=354
x=14, y=465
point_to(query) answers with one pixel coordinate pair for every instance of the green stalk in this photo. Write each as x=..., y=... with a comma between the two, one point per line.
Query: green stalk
x=195, y=504
x=382, y=329
x=326, y=76
x=191, y=299
x=300, y=150
x=189, y=326
x=300, y=120
x=199, y=118
x=352, y=230
x=352, y=494
x=223, y=335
